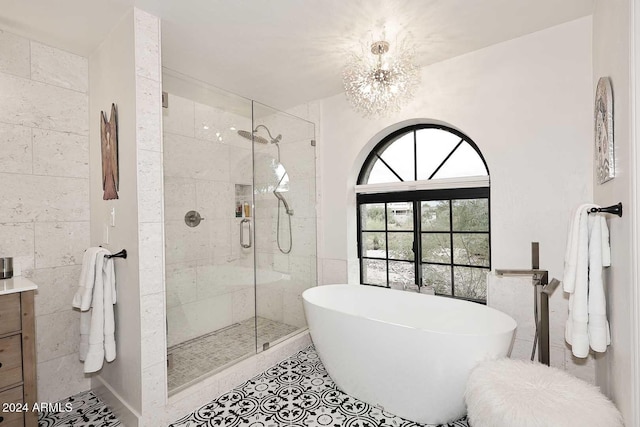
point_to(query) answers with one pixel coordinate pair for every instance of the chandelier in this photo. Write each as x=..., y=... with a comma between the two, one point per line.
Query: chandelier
x=377, y=85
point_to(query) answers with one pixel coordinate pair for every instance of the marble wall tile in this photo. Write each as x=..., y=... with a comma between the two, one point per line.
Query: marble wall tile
x=14, y=54
x=44, y=106
x=56, y=288
x=216, y=199
x=214, y=280
x=18, y=242
x=15, y=148
x=148, y=118
x=150, y=244
x=60, y=243
x=303, y=231
x=179, y=197
x=59, y=68
x=183, y=243
x=152, y=329
x=58, y=334
x=154, y=392
x=40, y=198
x=220, y=238
x=60, y=154
x=181, y=283
x=282, y=263
x=270, y=303
x=241, y=165
x=60, y=378
x=151, y=281
x=214, y=313
x=195, y=158
x=293, y=310
x=299, y=160
x=178, y=118
x=243, y=305
x=198, y=318
x=150, y=186
x=147, y=40
x=210, y=123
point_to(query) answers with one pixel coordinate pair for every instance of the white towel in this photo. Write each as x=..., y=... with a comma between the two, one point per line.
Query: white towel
x=587, y=252
x=95, y=298
x=599, y=251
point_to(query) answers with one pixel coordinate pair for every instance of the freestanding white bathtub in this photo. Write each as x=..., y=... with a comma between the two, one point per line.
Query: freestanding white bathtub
x=409, y=353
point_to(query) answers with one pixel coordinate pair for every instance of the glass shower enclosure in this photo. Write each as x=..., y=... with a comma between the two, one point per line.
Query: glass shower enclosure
x=240, y=226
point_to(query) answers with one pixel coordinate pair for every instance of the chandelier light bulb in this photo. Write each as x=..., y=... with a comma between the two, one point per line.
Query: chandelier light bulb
x=377, y=87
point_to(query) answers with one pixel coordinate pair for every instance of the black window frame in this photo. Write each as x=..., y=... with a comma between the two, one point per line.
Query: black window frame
x=416, y=197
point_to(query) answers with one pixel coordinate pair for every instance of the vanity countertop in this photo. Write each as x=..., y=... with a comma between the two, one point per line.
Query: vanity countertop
x=16, y=284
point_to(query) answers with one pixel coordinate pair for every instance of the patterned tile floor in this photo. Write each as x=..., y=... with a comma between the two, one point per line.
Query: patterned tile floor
x=86, y=411
x=296, y=392
x=206, y=354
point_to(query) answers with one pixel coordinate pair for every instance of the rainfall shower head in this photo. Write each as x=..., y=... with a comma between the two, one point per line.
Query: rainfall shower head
x=253, y=137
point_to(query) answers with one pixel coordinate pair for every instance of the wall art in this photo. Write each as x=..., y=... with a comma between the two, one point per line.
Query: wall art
x=109, y=141
x=603, y=120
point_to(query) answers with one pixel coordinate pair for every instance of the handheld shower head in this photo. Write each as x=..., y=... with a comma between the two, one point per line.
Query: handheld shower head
x=280, y=197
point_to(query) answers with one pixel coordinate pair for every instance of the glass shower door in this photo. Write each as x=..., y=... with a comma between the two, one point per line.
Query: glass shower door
x=284, y=181
x=208, y=178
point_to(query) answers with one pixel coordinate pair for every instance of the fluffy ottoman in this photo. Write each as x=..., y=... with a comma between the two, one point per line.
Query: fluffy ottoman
x=518, y=393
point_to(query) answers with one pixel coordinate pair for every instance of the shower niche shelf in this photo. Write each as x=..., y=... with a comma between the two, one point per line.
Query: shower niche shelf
x=242, y=203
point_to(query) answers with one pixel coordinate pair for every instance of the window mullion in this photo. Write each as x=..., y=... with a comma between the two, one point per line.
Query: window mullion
x=386, y=241
x=453, y=287
x=417, y=239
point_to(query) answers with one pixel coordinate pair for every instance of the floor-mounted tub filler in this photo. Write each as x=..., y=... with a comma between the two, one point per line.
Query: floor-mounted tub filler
x=409, y=353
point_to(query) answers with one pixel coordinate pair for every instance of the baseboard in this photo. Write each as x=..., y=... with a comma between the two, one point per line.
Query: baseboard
x=121, y=409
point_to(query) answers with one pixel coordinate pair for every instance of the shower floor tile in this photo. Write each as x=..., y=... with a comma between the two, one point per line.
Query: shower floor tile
x=296, y=392
x=206, y=354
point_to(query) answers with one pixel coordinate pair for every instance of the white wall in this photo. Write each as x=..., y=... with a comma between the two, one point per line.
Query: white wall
x=611, y=53
x=527, y=105
x=44, y=208
x=125, y=69
x=112, y=80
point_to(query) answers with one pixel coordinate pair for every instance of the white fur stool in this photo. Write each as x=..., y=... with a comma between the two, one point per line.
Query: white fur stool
x=518, y=393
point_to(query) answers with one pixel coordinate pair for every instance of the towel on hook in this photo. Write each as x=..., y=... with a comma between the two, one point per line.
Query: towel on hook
x=95, y=298
x=587, y=253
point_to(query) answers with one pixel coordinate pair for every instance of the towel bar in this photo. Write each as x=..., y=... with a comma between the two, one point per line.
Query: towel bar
x=121, y=254
x=615, y=209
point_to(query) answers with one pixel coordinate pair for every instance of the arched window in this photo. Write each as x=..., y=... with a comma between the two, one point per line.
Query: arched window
x=423, y=213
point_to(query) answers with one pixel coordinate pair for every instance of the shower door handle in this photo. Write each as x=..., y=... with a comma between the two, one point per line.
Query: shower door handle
x=242, y=223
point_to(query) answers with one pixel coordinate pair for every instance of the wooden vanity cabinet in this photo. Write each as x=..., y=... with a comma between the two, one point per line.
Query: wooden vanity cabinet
x=17, y=360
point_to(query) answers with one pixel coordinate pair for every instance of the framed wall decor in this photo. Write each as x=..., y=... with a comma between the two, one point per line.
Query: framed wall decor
x=109, y=142
x=603, y=121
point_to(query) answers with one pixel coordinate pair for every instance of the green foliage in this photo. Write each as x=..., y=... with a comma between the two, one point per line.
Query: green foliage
x=468, y=248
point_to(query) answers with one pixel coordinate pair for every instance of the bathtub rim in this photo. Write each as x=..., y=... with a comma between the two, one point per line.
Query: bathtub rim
x=504, y=330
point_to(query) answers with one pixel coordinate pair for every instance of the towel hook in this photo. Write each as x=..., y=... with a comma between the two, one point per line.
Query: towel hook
x=614, y=209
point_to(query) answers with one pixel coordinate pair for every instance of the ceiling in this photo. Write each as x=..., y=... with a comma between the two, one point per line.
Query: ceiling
x=287, y=52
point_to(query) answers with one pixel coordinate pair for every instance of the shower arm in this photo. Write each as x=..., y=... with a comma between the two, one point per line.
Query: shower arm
x=273, y=140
